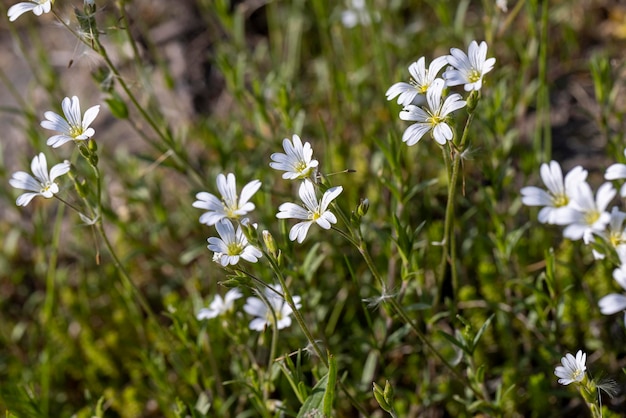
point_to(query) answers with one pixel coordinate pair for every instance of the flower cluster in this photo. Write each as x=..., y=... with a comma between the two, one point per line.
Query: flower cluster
x=570, y=202
x=424, y=99
x=269, y=309
x=72, y=127
x=232, y=244
x=298, y=164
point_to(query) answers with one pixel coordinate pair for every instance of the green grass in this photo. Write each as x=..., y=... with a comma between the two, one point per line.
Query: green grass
x=100, y=320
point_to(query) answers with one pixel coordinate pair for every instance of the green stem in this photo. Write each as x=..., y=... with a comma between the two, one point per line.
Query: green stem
x=305, y=329
x=399, y=310
x=166, y=139
x=273, y=345
x=448, y=239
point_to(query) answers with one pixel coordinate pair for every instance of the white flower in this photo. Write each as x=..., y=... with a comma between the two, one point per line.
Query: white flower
x=230, y=206
x=297, y=160
x=501, y=4
x=73, y=127
x=572, y=369
x=434, y=117
x=42, y=184
x=468, y=70
x=312, y=212
x=258, y=308
x=421, y=78
x=586, y=215
x=614, y=235
x=558, y=194
x=617, y=172
x=37, y=7
x=232, y=245
x=220, y=306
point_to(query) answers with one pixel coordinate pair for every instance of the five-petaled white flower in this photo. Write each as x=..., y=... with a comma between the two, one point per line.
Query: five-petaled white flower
x=42, y=184
x=220, y=306
x=232, y=245
x=433, y=117
x=421, y=79
x=264, y=315
x=313, y=212
x=38, y=7
x=617, y=171
x=559, y=193
x=572, y=369
x=230, y=206
x=72, y=127
x=468, y=70
x=586, y=215
x=297, y=160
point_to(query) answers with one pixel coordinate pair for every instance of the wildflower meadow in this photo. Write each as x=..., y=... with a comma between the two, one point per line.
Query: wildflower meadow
x=312, y=208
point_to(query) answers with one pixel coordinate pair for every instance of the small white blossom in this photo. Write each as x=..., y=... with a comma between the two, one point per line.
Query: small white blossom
x=434, y=117
x=230, y=206
x=558, y=194
x=572, y=369
x=263, y=314
x=38, y=7
x=72, y=127
x=421, y=79
x=614, y=235
x=314, y=211
x=586, y=215
x=42, y=184
x=617, y=172
x=297, y=160
x=501, y=4
x=468, y=69
x=220, y=306
x=232, y=245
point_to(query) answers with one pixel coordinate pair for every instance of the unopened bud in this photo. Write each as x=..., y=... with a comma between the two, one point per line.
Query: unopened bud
x=270, y=243
x=364, y=206
x=384, y=397
x=472, y=101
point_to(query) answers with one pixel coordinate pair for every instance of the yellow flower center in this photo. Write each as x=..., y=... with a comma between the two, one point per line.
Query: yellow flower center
x=560, y=200
x=473, y=76
x=591, y=217
x=76, y=131
x=234, y=248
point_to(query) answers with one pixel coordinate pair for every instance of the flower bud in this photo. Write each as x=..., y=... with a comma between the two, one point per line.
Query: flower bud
x=269, y=242
x=364, y=206
x=472, y=101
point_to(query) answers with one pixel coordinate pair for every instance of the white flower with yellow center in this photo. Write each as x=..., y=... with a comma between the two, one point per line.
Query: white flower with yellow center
x=72, y=127
x=232, y=245
x=468, y=69
x=230, y=205
x=572, y=369
x=558, y=194
x=264, y=314
x=297, y=162
x=433, y=117
x=314, y=211
x=38, y=7
x=42, y=184
x=586, y=215
x=414, y=92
